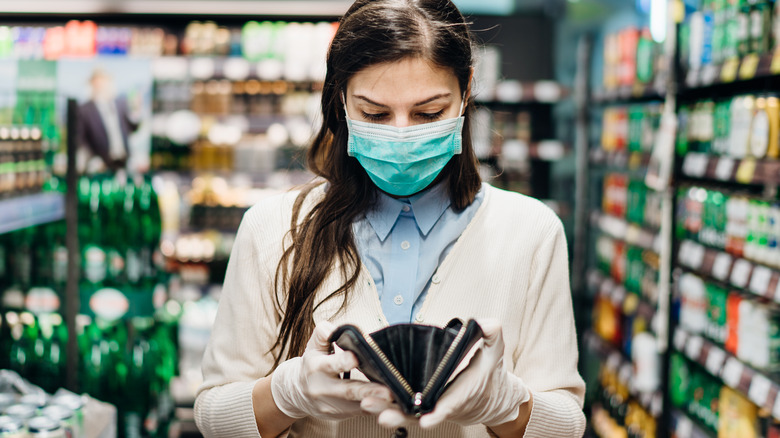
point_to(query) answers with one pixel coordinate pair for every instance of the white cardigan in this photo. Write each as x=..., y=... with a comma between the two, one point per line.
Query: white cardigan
x=510, y=263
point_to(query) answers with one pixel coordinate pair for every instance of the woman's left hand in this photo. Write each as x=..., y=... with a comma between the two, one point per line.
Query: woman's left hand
x=484, y=393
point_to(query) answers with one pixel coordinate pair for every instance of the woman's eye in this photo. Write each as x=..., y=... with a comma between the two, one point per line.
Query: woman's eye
x=374, y=116
x=431, y=116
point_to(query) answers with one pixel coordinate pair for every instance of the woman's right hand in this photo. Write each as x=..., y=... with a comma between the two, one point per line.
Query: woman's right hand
x=310, y=385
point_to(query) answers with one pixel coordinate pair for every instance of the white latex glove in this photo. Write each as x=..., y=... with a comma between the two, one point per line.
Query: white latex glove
x=484, y=393
x=309, y=386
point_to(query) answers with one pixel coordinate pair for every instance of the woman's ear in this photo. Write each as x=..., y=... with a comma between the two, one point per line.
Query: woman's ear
x=467, y=94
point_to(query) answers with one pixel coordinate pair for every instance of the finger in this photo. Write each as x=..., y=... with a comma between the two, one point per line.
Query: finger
x=393, y=418
x=491, y=330
x=332, y=364
x=375, y=405
x=493, y=339
x=352, y=390
x=435, y=418
x=319, y=338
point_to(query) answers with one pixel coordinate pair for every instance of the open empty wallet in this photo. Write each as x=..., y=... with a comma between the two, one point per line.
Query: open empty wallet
x=415, y=361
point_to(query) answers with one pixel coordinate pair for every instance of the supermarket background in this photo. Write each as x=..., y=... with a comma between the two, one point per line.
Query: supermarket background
x=651, y=127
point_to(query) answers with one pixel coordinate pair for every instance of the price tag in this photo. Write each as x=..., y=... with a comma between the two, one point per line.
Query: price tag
x=746, y=171
x=684, y=427
x=775, y=67
x=692, y=78
x=709, y=74
x=684, y=252
x=777, y=293
x=697, y=256
x=776, y=407
x=759, y=389
x=740, y=274
x=633, y=234
x=729, y=70
x=749, y=66
x=759, y=281
x=695, y=165
x=693, y=347
x=680, y=336
x=618, y=295
x=625, y=373
x=732, y=372
x=725, y=169
x=722, y=266
x=715, y=359
x=613, y=362
x=699, y=168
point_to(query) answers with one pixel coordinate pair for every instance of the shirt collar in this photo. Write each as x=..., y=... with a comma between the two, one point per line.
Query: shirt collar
x=427, y=207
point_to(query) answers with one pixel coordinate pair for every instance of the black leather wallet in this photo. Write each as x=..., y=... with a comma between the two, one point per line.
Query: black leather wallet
x=415, y=361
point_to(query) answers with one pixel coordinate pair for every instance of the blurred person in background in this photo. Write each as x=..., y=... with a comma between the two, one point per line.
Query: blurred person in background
x=105, y=124
x=398, y=228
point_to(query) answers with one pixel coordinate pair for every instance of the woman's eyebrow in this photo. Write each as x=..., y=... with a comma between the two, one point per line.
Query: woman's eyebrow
x=428, y=100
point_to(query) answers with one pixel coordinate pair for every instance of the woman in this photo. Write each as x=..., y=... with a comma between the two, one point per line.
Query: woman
x=402, y=230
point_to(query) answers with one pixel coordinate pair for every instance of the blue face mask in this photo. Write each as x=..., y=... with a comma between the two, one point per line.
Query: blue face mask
x=404, y=161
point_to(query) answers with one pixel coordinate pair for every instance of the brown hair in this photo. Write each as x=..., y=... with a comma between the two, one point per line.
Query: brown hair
x=370, y=33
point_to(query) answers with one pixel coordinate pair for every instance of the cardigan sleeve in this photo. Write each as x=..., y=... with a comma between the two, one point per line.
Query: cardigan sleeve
x=547, y=357
x=245, y=328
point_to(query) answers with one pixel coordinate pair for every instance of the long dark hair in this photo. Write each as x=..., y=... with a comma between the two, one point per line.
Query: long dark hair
x=370, y=33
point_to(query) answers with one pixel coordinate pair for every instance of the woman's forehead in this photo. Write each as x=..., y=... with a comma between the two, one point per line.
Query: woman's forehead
x=403, y=81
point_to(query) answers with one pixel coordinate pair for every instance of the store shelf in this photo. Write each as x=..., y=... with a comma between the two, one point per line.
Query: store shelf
x=235, y=68
x=27, y=211
x=324, y=8
x=740, y=273
x=685, y=427
x=617, y=294
x=615, y=361
x=526, y=93
x=631, y=233
x=620, y=159
x=731, y=170
x=624, y=94
x=760, y=388
x=735, y=69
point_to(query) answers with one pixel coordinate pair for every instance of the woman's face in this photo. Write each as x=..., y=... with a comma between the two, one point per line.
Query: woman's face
x=403, y=93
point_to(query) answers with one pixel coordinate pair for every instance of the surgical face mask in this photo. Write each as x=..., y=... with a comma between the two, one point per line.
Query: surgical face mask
x=404, y=161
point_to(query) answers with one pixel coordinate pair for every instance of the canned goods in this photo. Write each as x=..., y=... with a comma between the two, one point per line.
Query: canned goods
x=12, y=427
x=38, y=399
x=45, y=427
x=21, y=411
x=6, y=399
x=64, y=416
x=75, y=403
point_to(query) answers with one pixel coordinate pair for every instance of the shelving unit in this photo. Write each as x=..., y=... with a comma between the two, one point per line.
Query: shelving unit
x=760, y=388
x=31, y=210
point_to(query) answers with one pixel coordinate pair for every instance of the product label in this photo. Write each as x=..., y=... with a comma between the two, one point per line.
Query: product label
x=134, y=267
x=95, y=264
x=116, y=265
x=725, y=169
x=60, y=265
x=42, y=300
x=722, y=266
x=109, y=304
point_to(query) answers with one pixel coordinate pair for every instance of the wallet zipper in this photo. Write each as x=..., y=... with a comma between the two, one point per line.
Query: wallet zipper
x=444, y=360
x=393, y=370
x=417, y=397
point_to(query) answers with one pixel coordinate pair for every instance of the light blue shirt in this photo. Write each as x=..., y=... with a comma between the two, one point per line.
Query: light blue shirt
x=402, y=242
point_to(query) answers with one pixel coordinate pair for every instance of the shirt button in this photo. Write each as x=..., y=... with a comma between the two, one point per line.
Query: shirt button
x=405, y=245
x=419, y=317
x=398, y=300
x=435, y=279
x=406, y=208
